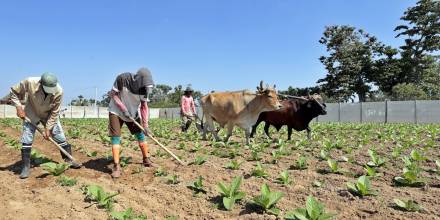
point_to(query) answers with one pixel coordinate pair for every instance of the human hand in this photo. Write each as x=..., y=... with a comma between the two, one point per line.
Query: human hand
x=20, y=112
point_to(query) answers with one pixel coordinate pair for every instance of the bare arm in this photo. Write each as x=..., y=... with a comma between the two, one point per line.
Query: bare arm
x=144, y=114
x=115, y=96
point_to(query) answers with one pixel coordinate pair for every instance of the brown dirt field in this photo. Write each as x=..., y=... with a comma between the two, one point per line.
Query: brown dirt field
x=41, y=197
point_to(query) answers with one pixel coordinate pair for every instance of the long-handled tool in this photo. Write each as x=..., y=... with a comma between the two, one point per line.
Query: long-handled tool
x=50, y=139
x=157, y=142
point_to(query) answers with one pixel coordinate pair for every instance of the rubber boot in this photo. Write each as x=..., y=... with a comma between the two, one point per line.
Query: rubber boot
x=116, y=173
x=73, y=164
x=26, y=160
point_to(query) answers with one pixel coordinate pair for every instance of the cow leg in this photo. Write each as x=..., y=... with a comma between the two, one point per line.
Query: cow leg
x=266, y=130
x=230, y=128
x=289, y=133
x=254, y=128
x=247, y=132
x=309, y=131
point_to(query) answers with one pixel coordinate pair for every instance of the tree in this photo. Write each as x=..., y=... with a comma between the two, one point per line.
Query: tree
x=349, y=63
x=422, y=38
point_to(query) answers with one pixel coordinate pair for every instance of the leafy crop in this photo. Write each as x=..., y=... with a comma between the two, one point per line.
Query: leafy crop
x=284, y=178
x=259, y=171
x=409, y=205
x=199, y=160
x=96, y=194
x=66, y=181
x=376, y=160
x=300, y=163
x=314, y=211
x=233, y=165
x=362, y=187
x=231, y=193
x=160, y=172
x=372, y=172
x=55, y=169
x=172, y=179
x=128, y=214
x=267, y=200
x=197, y=185
x=410, y=177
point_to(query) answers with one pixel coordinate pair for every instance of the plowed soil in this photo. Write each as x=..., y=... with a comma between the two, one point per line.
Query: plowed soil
x=41, y=197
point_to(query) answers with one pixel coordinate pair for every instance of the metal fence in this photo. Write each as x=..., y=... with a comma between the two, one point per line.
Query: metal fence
x=418, y=111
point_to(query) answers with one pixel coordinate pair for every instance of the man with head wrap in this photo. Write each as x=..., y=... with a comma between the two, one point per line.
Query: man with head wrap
x=129, y=97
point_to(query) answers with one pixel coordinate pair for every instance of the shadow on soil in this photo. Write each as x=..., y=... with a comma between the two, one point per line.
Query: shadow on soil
x=99, y=164
x=15, y=167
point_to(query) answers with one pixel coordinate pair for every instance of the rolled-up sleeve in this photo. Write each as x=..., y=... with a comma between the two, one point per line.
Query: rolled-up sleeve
x=18, y=93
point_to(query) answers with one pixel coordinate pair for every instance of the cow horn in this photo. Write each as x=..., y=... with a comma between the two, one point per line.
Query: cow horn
x=261, y=85
x=274, y=86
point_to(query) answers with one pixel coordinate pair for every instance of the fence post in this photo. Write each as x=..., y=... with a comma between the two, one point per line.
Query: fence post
x=386, y=111
x=415, y=111
x=339, y=112
x=4, y=111
x=361, y=119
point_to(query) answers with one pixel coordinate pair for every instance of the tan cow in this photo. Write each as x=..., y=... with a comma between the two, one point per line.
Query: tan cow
x=240, y=108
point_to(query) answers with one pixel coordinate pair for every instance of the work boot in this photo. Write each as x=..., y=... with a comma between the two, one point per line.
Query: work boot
x=26, y=160
x=68, y=149
x=116, y=173
x=146, y=161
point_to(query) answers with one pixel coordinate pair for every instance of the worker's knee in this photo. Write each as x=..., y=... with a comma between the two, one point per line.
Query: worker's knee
x=140, y=136
x=116, y=140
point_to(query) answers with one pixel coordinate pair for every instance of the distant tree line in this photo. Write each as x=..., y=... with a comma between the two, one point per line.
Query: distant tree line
x=359, y=65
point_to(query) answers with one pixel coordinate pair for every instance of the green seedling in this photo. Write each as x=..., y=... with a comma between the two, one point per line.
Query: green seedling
x=160, y=172
x=409, y=205
x=333, y=165
x=55, y=169
x=324, y=155
x=372, y=172
x=300, y=163
x=196, y=148
x=231, y=193
x=267, y=200
x=66, y=181
x=410, y=177
x=314, y=211
x=38, y=157
x=172, y=179
x=233, y=165
x=362, y=187
x=376, y=160
x=199, y=160
x=95, y=193
x=417, y=156
x=128, y=214
x=181, y=146
x=259, y=171
x=124, y=161
x=197, y=186
x=255, y=156
x=92, y=154
x=284, y=178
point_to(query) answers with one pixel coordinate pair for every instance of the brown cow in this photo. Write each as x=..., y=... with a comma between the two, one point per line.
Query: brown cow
x=240, y=109
x=296, y=113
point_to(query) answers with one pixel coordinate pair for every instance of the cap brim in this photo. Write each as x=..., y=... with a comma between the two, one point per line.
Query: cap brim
x=51, y=90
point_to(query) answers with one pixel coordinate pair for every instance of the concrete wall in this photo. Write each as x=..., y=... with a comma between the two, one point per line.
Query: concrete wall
x=420, y=111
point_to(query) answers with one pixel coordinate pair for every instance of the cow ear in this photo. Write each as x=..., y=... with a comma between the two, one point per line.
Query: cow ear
x=266, y=92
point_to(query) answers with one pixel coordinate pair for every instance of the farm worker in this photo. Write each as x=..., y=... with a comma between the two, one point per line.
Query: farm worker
x=43, y=101
x=129, y=97
x=187, y=108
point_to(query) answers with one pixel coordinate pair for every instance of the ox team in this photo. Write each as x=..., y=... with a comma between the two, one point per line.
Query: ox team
x=129, y=101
